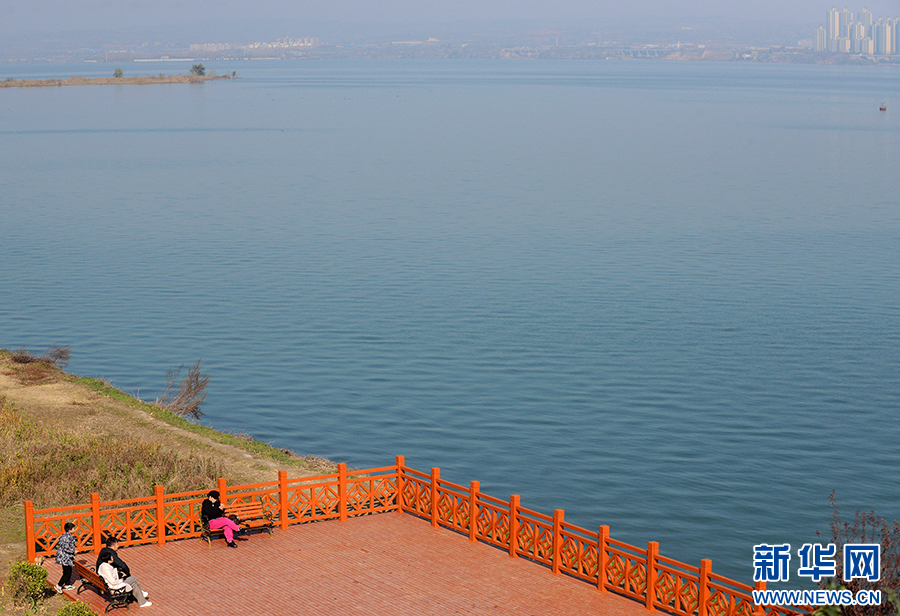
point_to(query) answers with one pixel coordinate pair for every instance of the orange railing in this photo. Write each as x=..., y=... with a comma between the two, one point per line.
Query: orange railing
x=611, y=565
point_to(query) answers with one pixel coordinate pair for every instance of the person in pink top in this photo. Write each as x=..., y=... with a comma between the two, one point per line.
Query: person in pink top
x=215, y=516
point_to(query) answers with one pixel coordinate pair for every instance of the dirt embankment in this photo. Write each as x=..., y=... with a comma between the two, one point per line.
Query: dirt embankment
x=109, y=81
x=76, y=409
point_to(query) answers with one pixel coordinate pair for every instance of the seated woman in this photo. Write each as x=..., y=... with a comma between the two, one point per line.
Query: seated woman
x=215, y=516
x=110, y=575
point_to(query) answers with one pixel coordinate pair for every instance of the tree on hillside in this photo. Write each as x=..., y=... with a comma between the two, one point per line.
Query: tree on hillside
x=118, y=73
x=199, y=70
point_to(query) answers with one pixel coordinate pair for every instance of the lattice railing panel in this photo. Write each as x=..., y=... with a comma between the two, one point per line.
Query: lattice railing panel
x=637, y=578
x=579, y=558
x=535, y=539
x=741, y=607
x=137, y=526
x=676, y=593
x=82, y=531
x=666, y=590
x=689, y=596
x=453, y=510
x=615, y=571
x=719, y=604
x=270, y=502
x=417, y=496
x=183, y=519
x=47, y=532
x=384, y=492
x=317, y=503
x=493, y=525
x=590, y=561
x=295, y=502
x=372, y=494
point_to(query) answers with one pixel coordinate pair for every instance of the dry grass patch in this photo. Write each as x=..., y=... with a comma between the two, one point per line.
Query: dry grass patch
x=31, y=369
x=54, y=468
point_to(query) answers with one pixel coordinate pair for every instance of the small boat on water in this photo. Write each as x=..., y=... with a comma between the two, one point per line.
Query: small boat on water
x=883, y=107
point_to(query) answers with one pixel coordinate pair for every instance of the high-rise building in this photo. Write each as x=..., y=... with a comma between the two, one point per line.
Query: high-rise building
x=832, y=24
x=897, y=35
x=884, y=37
x=845, y=18
x=820, y=43
x=865, y=18
x=867, y=46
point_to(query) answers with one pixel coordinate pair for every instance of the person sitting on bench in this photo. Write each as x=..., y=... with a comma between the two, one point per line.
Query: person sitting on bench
x=215, y=517
x=112, y=544
x=110, y=575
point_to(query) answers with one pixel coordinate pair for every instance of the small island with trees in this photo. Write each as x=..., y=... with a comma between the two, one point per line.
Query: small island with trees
x=197, y=74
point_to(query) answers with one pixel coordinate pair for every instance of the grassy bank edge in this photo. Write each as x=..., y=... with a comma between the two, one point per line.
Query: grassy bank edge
x=256, y=448
x=252, y=446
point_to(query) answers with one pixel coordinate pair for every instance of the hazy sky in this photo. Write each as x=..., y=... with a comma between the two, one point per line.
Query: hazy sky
x=54, y=15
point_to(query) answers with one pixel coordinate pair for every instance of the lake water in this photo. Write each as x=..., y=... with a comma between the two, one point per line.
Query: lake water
x=661, y=296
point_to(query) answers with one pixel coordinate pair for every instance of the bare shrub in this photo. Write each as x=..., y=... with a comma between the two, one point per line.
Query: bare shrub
x=58, y=356
x=191, y=391
x=23, y=356
x=867, y=527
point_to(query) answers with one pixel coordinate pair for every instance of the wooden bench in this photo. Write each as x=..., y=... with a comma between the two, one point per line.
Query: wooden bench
x=114, y=598
x=249, y=516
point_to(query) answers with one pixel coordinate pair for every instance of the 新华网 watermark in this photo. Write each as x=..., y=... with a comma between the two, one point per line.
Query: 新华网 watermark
x=771, y=563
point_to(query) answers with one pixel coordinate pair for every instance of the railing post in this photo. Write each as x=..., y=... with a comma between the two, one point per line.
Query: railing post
x=342, y=492
x=558, y=516
x=703, y=590
x=435, y=478
x=282, y=499
x=401, y=462
x=29, y=531
x=602, y=541
x=222, y=487
x=652, y=553
x=514, y=501
x=95, y=522
x=158, y=492
x=759, y=610
x=474, y=488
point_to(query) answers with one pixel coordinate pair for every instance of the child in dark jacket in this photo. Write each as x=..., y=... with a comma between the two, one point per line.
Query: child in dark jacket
x=65, y=556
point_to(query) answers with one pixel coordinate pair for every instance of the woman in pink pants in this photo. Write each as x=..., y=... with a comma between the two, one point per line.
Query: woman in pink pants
x=214, y=515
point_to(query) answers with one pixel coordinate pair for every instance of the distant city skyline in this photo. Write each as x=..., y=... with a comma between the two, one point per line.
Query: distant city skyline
x=230, y=31
x=860, y=33
x=41, y=16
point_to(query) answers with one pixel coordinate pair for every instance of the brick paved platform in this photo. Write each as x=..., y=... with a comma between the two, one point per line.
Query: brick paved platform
x=375, y=565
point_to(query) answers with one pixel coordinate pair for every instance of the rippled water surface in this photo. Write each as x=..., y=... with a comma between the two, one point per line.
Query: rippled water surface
x=661, y=296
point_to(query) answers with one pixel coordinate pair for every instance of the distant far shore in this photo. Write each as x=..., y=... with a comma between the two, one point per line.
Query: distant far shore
x=108, y=81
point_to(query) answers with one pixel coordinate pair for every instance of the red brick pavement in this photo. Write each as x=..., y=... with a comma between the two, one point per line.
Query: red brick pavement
x=381, y=564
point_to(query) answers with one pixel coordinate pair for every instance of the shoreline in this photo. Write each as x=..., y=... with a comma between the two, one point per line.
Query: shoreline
x=109, y=81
